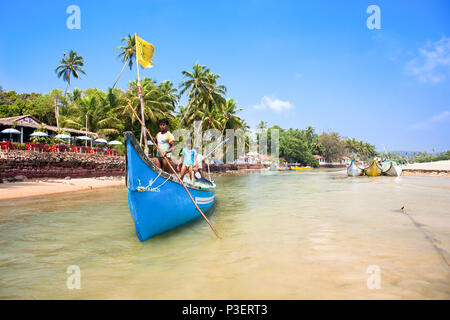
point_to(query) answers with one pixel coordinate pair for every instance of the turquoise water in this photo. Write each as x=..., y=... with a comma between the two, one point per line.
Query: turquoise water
x=286, y=235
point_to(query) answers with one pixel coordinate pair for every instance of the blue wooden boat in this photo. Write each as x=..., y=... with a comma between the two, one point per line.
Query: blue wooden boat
x=157, y=201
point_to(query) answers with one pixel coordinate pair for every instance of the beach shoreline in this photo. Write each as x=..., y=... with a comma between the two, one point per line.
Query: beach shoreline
x=44, y=187
x=433, y=169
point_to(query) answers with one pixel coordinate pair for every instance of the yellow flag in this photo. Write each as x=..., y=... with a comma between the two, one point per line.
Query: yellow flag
x=144, y=52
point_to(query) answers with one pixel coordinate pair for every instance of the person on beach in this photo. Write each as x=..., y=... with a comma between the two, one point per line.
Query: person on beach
x=189, y=160
x=166, y=143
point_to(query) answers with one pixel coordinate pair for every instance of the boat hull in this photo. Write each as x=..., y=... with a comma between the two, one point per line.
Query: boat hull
x=157, y=202
x=373, y=170
x=353, y=170
x=296, y=168
x=393, y=170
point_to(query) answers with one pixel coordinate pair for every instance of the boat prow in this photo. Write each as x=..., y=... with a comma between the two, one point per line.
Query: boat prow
x=353, y=170
x=157, y=201
x=373, y=170
x=393, y=170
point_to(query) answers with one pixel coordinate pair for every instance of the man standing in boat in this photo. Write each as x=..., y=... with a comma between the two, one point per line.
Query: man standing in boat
x=189, y=160
x=166, y=143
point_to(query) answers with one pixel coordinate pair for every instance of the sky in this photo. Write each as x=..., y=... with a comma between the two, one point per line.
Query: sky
x=289, y=63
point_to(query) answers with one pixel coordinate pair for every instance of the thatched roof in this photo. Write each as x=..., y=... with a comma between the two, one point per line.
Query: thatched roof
x=28, y=121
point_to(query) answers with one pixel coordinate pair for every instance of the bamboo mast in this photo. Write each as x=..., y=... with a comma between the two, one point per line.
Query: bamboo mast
x=143, y=127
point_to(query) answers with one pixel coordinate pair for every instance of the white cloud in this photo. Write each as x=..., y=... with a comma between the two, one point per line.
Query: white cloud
x=428, y=123
x=441, y=117
x=433, y=62
x=273, y=103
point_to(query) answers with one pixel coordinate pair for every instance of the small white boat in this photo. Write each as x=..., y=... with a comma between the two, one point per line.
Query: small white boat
x=353, y=170
x=393, y=170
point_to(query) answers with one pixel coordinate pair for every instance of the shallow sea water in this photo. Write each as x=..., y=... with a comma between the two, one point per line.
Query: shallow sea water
x=286, y=235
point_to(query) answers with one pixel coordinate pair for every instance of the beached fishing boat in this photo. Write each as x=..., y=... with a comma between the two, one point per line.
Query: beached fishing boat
x=297, y=168
x=373, y=169
x=157, y=201
x=353, y=170
x=391, y=169
x=283, y=168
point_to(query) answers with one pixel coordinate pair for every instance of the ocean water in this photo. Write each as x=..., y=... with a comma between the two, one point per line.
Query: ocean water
x=286, y=235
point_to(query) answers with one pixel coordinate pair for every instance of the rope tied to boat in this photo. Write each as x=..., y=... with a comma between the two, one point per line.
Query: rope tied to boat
x=149, y=186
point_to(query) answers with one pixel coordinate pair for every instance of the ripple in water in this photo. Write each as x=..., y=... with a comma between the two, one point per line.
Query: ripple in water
x=286, y=235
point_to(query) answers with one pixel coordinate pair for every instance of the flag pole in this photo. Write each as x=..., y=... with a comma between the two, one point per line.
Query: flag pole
x=176, y=174
x=142, y=101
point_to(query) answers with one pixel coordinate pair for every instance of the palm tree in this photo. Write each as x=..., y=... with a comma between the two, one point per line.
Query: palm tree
x=169, y=93
x=70, y=66
x=204, y=94
x=229, y=119
x=262, y=126
x=95, y=113
x=157, y=104
x=196, y=85
x=352, y=147
x=127, y=54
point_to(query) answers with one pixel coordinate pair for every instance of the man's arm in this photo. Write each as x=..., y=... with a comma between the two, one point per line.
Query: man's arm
x=172, y=143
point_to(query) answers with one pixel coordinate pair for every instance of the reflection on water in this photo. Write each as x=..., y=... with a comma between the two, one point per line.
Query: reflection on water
x=286, y=235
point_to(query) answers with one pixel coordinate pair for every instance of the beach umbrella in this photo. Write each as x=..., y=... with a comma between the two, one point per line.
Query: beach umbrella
x=114, y=142
x=84, y=138
x=100, y=141
x=38, y=134
x=11, y=131
x=63, y=136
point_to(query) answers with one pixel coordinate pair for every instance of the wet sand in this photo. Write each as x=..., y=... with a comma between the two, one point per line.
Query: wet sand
x=54, y=186
x=45, y=187
x=33, y=188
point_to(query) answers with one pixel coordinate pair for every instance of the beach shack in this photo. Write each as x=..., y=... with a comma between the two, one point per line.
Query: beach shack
x=27, y=124
x=342, y=162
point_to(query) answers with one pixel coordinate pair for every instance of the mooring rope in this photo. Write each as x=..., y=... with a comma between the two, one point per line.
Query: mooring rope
x=150, y=183
x=429, y=238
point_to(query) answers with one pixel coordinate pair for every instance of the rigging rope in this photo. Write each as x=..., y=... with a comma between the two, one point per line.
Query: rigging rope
x=428, y=237
x=150, y=183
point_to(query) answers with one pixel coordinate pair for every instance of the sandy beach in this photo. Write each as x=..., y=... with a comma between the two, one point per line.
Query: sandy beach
x=34, y=188
x=44, y=187
x=437, y=168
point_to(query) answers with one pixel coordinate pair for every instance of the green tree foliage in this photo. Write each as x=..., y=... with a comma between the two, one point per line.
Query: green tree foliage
x=424, y=157
x=333, y=147
x=70, y=66
x=295, y=145
x=360, y=149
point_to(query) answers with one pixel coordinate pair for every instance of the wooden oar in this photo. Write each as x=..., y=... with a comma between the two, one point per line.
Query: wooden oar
x=176, y=174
